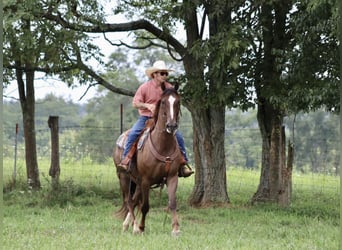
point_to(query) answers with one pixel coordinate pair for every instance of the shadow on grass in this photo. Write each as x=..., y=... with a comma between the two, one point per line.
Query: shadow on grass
x=66, y=192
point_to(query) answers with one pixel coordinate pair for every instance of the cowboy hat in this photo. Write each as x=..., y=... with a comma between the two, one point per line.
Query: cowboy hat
x=157, y=66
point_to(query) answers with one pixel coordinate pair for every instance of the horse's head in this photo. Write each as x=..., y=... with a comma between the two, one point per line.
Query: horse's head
x=168, y=110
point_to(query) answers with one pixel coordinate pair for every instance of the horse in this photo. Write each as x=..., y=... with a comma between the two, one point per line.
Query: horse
x=157, y=162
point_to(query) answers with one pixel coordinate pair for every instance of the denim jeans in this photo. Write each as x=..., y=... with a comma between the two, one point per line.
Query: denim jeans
x=136, y=130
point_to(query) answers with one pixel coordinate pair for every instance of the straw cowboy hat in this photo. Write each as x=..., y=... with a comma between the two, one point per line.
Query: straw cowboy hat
x=157, y=66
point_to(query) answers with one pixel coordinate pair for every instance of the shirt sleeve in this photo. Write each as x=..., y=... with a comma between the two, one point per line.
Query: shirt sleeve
x=139, y=94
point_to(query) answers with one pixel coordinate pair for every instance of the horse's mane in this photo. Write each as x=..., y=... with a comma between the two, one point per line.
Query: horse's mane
x=167, y=91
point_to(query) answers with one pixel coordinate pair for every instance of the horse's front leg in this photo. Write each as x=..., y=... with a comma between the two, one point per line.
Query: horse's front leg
x=172, y=184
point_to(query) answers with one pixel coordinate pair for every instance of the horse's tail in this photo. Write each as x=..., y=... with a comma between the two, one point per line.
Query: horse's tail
x=122, y=212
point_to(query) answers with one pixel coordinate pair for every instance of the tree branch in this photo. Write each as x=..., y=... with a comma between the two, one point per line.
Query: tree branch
x=203, y=22
x=47, y=70
x=141, y=24
x=98, y=78
x=85, y=92
x=127, y=45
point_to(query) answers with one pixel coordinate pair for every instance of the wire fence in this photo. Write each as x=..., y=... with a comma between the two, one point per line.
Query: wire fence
x=85, y=156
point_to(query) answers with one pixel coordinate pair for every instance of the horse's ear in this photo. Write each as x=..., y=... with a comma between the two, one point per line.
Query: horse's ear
x=176, y=85
x=163, y=86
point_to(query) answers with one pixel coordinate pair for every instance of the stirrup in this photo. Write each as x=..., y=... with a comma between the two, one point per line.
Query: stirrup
x=185, y=170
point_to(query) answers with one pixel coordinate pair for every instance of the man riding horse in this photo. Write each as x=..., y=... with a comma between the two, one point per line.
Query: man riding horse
x=145, y=100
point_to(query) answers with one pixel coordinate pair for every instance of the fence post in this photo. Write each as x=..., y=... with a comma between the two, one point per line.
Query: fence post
x=15, y=153
x=121, y=118
x=54, y=167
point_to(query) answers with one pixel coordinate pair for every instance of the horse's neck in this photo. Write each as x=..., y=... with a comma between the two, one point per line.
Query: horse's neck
x=165, y=141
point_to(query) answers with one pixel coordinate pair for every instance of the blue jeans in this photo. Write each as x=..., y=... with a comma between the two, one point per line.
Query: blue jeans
x=136, y=130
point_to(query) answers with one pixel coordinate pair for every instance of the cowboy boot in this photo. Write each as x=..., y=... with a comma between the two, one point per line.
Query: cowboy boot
x=124, y=164
x=185, y=171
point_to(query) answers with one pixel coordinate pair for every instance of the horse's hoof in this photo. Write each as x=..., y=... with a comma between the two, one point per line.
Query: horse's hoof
x=137, y=232
x=175, y=233
x=125, y=228
x=136, y=229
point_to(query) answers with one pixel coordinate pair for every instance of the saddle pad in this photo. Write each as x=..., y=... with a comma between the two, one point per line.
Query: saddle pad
x=121, y=141
x=142, y=138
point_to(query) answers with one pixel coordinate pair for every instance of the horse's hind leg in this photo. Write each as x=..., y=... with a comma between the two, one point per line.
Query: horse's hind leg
x=145, y=206
x=127, y=221
x=129, y=216
x=136, y=200
x=131, y=198
x=124, y=186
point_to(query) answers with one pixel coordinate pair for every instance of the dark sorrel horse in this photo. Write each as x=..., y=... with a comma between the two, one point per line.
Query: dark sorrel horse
x=155, y=163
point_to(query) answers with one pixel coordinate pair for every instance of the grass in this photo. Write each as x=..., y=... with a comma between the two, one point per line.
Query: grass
x=80, y=215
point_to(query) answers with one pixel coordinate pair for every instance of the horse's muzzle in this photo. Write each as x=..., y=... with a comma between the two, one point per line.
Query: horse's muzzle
x=171, y=128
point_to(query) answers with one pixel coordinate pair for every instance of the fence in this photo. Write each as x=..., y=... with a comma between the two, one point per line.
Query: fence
x=86, y=152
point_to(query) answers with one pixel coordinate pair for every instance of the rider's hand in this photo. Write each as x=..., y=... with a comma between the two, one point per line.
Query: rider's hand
x=150, y=107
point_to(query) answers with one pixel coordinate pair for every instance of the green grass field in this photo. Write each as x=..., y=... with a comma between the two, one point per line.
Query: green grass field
x=80, y=215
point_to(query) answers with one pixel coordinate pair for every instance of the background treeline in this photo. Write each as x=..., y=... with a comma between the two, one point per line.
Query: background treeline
x=89, y=130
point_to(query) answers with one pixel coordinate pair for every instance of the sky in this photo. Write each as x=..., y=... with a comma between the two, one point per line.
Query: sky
x=60, y=89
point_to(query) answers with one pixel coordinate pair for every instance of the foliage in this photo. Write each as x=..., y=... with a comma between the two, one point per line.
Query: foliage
x=315, y=141
x=313, y=64
x=305, y=55
x=166, y=14
x=52, y=50
x=11, y=114
x=242, y=139
x=69, y=113
x=89, y=131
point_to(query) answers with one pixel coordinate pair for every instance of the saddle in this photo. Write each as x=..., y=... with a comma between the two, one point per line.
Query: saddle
x=139, y=143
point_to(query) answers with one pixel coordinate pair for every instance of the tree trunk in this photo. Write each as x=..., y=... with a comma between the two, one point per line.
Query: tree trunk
x=275, y=180
x=208, y=144
x=28, y=110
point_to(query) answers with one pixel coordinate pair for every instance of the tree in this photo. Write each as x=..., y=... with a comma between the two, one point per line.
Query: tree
x=31, y=45
x=275, y=175
x=249, y=47
x=292, y=64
